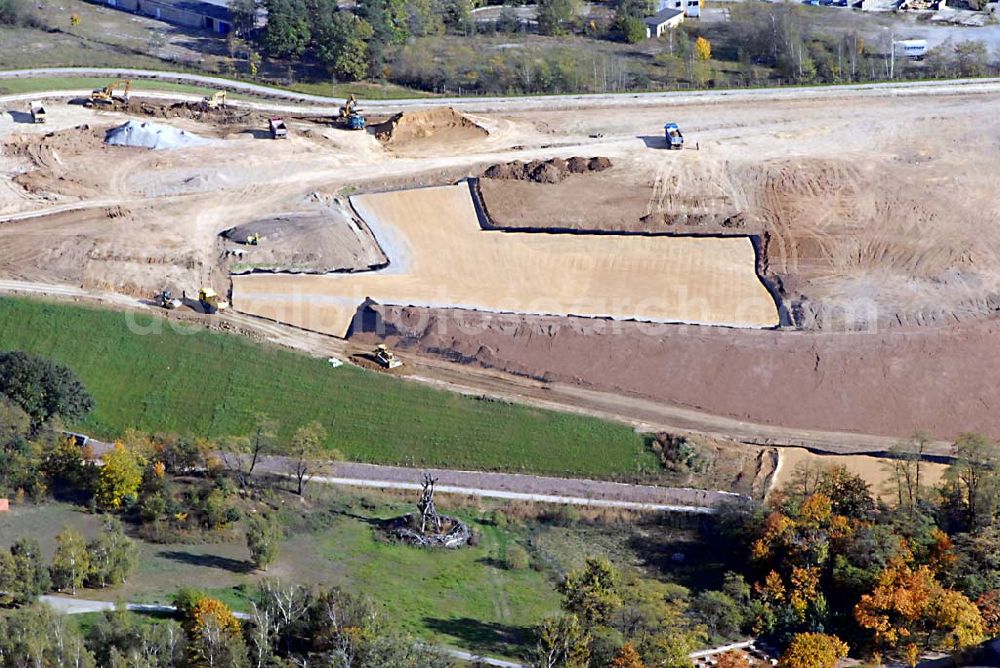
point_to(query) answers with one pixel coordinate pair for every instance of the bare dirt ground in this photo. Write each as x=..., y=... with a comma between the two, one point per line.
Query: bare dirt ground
x=441, y=256
x=881, y=221
x=873, y=470
x=889, y=383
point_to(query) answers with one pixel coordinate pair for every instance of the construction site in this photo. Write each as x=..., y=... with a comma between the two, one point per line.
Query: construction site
x=817, y=268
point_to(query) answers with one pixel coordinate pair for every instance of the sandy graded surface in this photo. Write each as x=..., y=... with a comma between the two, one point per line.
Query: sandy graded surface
x=439, y=256
x=876, y=471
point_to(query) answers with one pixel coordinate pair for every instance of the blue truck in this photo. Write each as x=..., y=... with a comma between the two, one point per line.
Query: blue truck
x=673, y=135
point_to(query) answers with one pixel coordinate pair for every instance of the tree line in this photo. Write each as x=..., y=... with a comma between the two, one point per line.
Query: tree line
x=289, y=626
x=437, y=45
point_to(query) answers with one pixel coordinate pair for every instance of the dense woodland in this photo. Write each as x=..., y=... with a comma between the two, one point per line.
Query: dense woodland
x=825, y=568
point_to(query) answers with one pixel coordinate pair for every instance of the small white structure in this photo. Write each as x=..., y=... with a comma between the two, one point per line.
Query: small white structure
x=691, y=8
x=911, y=48
x=663, y=20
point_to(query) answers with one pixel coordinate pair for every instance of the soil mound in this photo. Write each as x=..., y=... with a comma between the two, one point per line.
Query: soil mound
x=442, y=125
x=545, y=171
x=333, y=241
x=152, y=136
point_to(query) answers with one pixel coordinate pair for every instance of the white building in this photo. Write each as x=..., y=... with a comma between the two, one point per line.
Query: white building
x=691, y=8
x=663, y=20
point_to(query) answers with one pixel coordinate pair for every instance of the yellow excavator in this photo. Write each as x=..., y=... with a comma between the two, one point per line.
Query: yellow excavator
x=350, y=115
x=215, y=101
x=107, y=96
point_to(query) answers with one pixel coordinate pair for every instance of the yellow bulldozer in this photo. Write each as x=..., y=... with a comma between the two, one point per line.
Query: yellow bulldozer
x=106, y=95
x=385, y=357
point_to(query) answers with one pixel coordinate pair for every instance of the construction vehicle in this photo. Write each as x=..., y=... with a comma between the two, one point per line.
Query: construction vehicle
x=166, y=300
x=673, y=135
x=254, y=239
x=385, y=357
x=215, y=101
x=351, y=116
x=210, y=301
x=37, y=111
x=106, y=95
x=278, y=128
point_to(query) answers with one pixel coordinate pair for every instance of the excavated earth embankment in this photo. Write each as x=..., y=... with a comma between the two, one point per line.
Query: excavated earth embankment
x=888, y=383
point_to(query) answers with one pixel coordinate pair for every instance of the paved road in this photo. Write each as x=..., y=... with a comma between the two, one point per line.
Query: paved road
x=901, y=88
x=510, y=486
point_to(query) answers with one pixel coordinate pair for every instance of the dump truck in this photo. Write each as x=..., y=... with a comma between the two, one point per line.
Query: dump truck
x=351, y=116
x=672, y=133
x=210, y=301
x=385, y=357
x=164, y=299
x=37, y=111
x=278, y=128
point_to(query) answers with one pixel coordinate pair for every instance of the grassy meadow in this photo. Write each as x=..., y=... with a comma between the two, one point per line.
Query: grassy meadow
x=211, y=384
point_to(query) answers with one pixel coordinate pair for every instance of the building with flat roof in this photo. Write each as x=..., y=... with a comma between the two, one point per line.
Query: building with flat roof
x=210, y=15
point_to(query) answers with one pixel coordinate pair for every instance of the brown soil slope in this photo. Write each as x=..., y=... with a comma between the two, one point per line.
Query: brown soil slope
x=62, y=161
x=889, y=383
x=435, y=127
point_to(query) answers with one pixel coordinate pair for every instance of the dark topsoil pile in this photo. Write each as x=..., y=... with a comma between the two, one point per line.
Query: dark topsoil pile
x=546, y=171
x=197, y=111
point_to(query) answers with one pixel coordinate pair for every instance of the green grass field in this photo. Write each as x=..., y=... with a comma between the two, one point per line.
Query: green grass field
x=462, y=598
x=211, y=384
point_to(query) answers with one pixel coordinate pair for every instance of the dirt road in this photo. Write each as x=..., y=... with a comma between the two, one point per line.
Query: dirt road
x=494, y=103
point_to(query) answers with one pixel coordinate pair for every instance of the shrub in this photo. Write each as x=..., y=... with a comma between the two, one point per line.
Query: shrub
x=517, y=558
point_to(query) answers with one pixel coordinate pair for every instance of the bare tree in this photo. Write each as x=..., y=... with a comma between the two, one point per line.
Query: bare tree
x=308, y=456
x=428, y=512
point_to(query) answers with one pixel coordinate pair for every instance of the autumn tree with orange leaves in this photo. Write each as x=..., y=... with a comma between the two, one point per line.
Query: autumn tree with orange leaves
x=909, y=611
x=627, y=657
x=813, y=650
